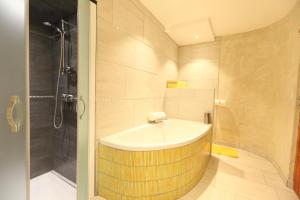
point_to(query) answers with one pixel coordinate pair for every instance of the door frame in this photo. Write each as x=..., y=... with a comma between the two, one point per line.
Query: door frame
x=92, y=100
x=86, y=147
x=295, y=179
x=27, y=100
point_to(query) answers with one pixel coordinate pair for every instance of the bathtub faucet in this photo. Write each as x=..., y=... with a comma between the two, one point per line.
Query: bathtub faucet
x=156, y=117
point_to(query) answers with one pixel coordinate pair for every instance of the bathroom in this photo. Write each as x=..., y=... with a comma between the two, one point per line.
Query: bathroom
x=149, y=99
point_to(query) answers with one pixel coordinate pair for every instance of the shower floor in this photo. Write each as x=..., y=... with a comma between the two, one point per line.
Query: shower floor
x=51, y=186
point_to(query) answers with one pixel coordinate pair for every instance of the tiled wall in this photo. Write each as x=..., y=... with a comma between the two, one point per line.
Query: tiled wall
x=41, y=112
x=134, y=59
x=65, y=138
x=258, y=78
x=160, y=175
x=199, y=67
x=50, y=148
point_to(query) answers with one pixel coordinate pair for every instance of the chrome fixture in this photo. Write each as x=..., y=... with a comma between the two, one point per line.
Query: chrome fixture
x=41, y=97
x=69, y=98
x=207, y=118
x=61, y=71
x=52, y=26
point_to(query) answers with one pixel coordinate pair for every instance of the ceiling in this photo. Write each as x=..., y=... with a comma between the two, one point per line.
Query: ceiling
x=183, y=18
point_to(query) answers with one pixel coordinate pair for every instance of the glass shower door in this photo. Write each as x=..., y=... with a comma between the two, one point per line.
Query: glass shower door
x=13, y=100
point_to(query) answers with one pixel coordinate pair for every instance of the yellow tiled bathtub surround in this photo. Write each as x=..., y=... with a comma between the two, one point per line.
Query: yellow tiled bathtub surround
x=165, y=174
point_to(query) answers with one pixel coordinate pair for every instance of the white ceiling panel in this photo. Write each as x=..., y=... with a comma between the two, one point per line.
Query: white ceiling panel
x=226, y=16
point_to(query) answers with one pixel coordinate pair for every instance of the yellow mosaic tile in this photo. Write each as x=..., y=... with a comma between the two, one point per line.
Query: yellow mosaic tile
x=108, y=194
x=140, y=189
x=154, y=175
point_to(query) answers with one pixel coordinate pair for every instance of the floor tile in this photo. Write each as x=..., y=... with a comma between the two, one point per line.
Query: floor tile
x=239, y=197
x=286, y=194
x=244, y=187
x=50, y=187
x=222, y=194
x=273, y=180
x=248, y=177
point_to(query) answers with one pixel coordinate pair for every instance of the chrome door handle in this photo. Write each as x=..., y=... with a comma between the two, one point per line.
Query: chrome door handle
x=13, y=125
x=83, y=103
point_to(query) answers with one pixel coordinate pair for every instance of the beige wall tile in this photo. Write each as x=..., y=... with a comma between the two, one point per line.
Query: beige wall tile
x=110, y=80
x=129, y=18
x=169, y=48
x=113, y=105
x=193, y=110
x=209, y=51
x=114, y=122
x=202, y=69
x=153, y=34
x=168, y=69
x=134, y=59
x=147, y=59
x=105, y=10
x=142, y=84
x=199, y=67
x=184, y=54
x=145, y=106
x=171, y=107
x=113, y=115
x=203, y=84
x=115, y=46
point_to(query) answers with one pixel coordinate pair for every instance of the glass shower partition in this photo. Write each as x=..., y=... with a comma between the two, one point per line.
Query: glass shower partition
x=14, y=170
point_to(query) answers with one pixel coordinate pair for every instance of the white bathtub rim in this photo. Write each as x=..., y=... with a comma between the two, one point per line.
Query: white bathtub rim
x=167, y=145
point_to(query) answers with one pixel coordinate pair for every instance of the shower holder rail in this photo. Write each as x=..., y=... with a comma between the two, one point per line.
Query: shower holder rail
x=69, y=98
x=41, y=97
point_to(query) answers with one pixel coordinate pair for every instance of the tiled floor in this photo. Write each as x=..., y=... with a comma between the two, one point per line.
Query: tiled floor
x=246, y=178
x=50, y=187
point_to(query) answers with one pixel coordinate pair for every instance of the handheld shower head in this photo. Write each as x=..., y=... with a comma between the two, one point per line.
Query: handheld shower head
x=47, y=24
x=52, y=26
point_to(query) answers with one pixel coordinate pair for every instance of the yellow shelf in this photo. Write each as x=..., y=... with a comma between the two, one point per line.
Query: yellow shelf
x=176, y=84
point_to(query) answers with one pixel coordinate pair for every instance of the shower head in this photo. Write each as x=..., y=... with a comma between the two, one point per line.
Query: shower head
x=47, y=24
x=52, y=26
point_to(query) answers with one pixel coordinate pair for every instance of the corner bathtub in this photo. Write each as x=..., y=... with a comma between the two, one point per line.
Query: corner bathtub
x=153, y=161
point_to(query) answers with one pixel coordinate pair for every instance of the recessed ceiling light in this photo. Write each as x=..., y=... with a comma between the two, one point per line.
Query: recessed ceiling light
x=196, y=37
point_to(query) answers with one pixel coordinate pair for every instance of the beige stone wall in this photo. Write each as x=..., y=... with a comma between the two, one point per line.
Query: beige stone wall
x=258, y=78
x=135, y=57
x=199, y=67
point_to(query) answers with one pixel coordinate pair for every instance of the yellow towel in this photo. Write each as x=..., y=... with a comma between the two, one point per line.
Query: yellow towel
x=225, y=151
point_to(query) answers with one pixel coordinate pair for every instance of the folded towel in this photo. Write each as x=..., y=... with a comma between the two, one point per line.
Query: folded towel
x=225, y=151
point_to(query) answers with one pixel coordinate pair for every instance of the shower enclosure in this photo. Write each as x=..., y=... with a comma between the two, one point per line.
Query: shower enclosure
x=46, y=67
x=53, y=90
